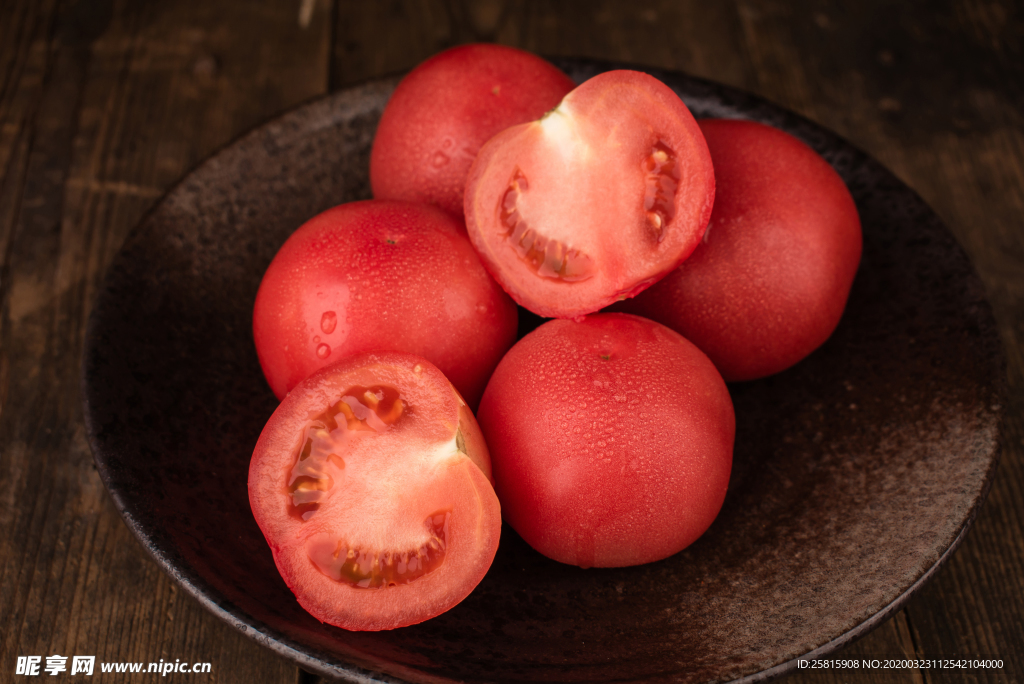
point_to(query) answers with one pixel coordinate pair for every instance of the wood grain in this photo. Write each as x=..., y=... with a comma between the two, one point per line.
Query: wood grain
x=104, y=104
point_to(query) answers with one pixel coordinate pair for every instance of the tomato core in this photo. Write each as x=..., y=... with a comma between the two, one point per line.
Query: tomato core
x=370, y=569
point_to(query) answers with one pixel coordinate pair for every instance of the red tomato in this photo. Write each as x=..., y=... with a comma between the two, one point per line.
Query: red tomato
x=446, y=108
x=595, y=201
x=611, y=440
x=379, y=275
x=370, y=483
x=770, y=281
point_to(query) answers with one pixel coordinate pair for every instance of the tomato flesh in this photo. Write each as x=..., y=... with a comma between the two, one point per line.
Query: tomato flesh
x=312, y=476
x=595, y=201
x=769, y=281
x=371, y=485
x=611, y=440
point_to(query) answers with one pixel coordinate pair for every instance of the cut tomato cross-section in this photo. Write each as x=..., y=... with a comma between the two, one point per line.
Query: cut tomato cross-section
x=594, y=202
x=371, y=483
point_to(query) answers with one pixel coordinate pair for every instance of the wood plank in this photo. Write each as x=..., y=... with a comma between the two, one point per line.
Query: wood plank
x=377, y=39
x=129, y=97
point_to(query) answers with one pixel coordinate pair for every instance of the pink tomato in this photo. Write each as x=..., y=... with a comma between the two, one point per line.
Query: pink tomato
x=381, y=276
x=769, y=282
x=611, y=440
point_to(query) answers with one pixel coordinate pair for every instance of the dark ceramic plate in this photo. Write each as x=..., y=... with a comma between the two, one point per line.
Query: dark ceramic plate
x=856, y=473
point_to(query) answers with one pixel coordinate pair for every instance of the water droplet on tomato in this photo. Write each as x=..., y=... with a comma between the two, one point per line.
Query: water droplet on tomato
x=323, y=351
x=328, y=322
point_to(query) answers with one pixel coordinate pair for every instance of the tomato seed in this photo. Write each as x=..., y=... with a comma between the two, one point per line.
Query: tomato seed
x=374, y=569
x=660, y=184
x=365, y=409
x=549, y=258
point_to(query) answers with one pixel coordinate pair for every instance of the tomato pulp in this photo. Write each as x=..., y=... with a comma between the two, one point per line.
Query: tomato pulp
x=768, y=284
x=381, y=275
x=611, y=440
x=446, y=108
x=594, y=202
x=371, y=485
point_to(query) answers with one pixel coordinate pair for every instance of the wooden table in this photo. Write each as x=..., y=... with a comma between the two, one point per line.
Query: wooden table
x=104, y=104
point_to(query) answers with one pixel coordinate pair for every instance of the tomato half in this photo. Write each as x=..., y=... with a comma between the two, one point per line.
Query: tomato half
x=446, y=108
x=370, y=484
x=381, y=275
x=768, y=284
x=594, y=202
x=611, y=440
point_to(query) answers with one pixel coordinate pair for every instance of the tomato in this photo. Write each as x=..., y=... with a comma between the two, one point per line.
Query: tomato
x=381, y=275
x=595, y=201
x=769, y=283
x=446, y=108
x=611, y=440
x=370, y=484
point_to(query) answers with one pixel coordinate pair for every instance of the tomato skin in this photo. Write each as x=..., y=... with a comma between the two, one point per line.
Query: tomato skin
x=390, y=482
x=769, y=283
x=579, y=178
x=611, y=440
x=381, y=275
x=446, y=108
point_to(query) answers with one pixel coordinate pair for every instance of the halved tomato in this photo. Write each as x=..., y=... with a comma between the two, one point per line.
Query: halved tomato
x=611, y=438
x=594, y=202
x=371, y=484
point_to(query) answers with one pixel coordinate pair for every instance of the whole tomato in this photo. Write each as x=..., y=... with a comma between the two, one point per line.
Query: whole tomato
x=371, y=485
x=381, y=275
x=769, y=282
x=610, y=438
x=446, y=108
x=595, y=201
